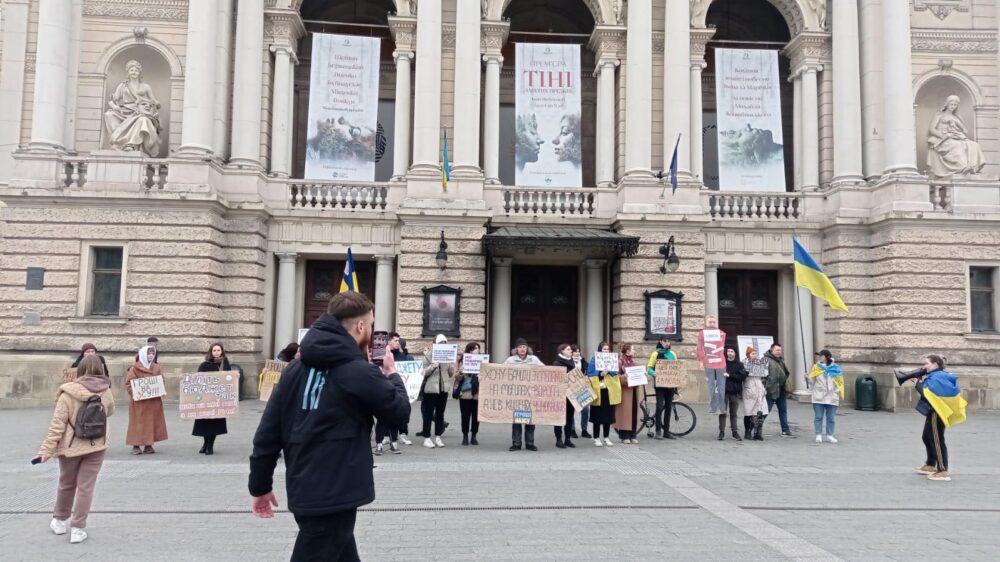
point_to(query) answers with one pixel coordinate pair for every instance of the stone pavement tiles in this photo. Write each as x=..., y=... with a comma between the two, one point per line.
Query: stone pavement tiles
x=691, y=499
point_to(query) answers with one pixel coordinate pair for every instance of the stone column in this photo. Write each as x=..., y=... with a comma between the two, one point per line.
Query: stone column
x=48, y=124
x=72, y=75
x=699, y=38
x=796, y=131
x=712, y=288
x=401, y=128
x=847, y=143
x=284, y=316
x=810, y=127
x=677, y=85
x=248, y=76
x=595, y=303
x=385, y=300
x=605, y=157
x=468, y=87
x=639, y=92
x=897, y=89
x=281, y=118
x=803, y=337
x=15, y=46
x=223, y=80
x=491, y=120
x=500, y=310
x=427, y=118
x=197, y=130
x=871, y=87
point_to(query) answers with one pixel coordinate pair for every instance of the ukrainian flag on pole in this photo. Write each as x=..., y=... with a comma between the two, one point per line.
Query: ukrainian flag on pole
x=350, y=281
x=810, y=275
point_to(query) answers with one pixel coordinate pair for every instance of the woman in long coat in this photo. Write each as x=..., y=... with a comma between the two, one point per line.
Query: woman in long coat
x=209, y=429
x=627, y=413
x=146, y=423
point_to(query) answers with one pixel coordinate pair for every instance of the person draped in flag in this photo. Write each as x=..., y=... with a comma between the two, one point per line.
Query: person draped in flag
x=942, y=403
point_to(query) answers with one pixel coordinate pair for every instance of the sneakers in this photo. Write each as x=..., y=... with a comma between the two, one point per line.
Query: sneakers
x=405, y=439
x=608, y=442
x=58, y=527
x=378, y=449
x=830, y=439
x=438, y=441
x=394, y=448
x=819, y=438
x=77, y=536
x=598, y=442
x=428, y=443
x=926, y=470
x=786, y=433
x=942, y=476
x=531, y=447
x=385, y=440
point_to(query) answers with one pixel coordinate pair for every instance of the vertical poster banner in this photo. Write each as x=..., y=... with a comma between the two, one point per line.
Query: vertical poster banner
x=342, y=139
x=548, y=141
x=750, y=141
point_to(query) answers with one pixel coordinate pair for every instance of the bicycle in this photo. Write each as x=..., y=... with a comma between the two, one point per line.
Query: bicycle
x=683, y=417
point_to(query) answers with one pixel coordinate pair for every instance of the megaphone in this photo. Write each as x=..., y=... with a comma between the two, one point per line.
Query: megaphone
x=903, y=376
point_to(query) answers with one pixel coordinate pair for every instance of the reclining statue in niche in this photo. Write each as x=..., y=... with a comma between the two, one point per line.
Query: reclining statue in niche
x=133, y=116
x=950, y=151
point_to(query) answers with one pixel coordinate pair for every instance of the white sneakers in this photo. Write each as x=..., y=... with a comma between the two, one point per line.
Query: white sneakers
x=819, y=438
x=608, y=442
x=405, y=439
x=428, y=443
x=58, y=527
x=378, y=449
x=77, y=536
x=828, y=438
x=597, y=443
x=438, y=441
x=394, y=448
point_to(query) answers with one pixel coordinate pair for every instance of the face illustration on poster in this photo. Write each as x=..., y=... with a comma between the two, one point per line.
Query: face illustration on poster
x=528, y=142
x=567, y=143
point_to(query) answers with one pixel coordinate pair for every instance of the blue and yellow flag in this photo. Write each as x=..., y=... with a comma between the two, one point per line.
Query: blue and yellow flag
x=941, y=390
x=446, y=167
x=350, y=281
x=810, y=275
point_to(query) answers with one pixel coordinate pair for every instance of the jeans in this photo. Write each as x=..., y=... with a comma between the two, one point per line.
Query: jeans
x=326, y=538
x=831, y=411
x=433, y=409
x=664, y=409
x=470, y=415
x=937, y=450
x=77, y=478
x=584, y=418
x=782, y=402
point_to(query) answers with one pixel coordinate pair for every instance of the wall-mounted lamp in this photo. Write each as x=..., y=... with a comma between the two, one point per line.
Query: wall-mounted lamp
x=670, y=260
x=442, y=254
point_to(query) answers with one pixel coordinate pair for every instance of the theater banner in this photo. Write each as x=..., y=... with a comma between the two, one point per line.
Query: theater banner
x=750, y=141
x=342, y=138
x=548, y=137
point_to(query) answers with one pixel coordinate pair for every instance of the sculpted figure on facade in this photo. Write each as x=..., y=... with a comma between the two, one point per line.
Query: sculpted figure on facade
x=698, y=10
x=133, y=116
x=819, y=8
x=950, y=151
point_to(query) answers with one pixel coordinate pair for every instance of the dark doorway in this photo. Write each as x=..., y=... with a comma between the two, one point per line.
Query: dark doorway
x=748, y=304
x=544, y=308
x=323, y=281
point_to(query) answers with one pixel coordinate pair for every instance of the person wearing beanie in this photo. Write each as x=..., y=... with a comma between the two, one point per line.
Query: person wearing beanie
x=89, y=349
x=736, y=373
x=522, y=356
x=664, y=396
x=754, y=395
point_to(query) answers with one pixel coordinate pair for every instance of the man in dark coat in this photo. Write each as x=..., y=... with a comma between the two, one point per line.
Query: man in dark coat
x=777, y=379
x=320, y=417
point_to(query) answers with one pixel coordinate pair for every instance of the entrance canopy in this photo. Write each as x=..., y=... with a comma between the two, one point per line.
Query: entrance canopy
x=518, y=240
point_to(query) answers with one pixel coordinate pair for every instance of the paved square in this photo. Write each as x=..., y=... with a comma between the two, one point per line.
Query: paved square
x=691, y=499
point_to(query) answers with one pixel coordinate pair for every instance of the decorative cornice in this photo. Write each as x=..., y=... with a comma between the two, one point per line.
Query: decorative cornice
x=404, y=32
x=137, y=9
x=940, y=8
x=448, y=37
x=953, y=41
x=809, y=48
x=283, y=28
x=494, y=36
x=608, y=42
x=699, y=41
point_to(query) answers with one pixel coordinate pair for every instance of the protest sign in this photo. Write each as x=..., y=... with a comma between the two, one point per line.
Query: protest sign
x=209, y=395
x=444, y=353
x=579, y=393
x=302, y=334
x=268, y=378
x=69, y=375
x=670, y=374
x=760, y=343
x=412, y=373
x=636, y=375
x=145, y=388
x=471, y=362
x=606, y=362
x=522, y=394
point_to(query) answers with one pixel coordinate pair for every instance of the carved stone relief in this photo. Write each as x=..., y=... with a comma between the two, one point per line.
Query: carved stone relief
x=137, y=9
x=132, y=119
x=941, y=8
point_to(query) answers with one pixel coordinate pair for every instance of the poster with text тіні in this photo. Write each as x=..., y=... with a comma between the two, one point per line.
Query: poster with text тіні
x=548, y=139
x=750, y=139
x=342, y=136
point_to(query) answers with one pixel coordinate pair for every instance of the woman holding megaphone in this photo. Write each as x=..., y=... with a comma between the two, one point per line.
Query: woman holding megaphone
x=942, y=404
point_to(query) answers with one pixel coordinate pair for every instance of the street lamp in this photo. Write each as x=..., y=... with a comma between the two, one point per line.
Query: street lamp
x=442, y=254
x=670, y=260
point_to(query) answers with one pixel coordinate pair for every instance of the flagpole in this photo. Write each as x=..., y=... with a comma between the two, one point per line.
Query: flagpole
x=802, y=333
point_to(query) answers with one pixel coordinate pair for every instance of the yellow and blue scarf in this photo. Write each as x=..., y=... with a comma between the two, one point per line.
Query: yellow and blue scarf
x=830, y=371
x=940, y=388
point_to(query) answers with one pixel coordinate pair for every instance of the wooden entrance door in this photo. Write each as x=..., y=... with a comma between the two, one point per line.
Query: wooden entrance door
x=323, y=281
x=543, y=308
x=748, y=304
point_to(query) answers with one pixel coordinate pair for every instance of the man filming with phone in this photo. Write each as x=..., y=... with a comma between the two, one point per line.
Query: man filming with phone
x=320, y=417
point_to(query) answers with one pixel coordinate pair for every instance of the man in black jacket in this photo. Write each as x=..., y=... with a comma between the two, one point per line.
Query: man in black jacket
x=320, y=417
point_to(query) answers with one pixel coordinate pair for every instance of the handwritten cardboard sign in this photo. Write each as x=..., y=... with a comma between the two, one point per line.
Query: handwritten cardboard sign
x=636, y=375
x=522, y=394
x=269, y=377
x=69, y=375
x=670, y=374
x=471, y=362
x=444, y=353
x=145, y=388
x=579, y=393
x=606, y=362
x=412, y=373
x=210, y=395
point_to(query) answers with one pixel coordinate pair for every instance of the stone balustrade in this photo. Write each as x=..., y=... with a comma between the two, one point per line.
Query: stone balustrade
x=337, y=195
x=73, y=172
x=753, y=206
x=941, y=196
x=545, y=201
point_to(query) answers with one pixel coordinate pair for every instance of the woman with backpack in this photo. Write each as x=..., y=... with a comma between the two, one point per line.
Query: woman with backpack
x=78, y=435
x=209, y=429
x=146, y=424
